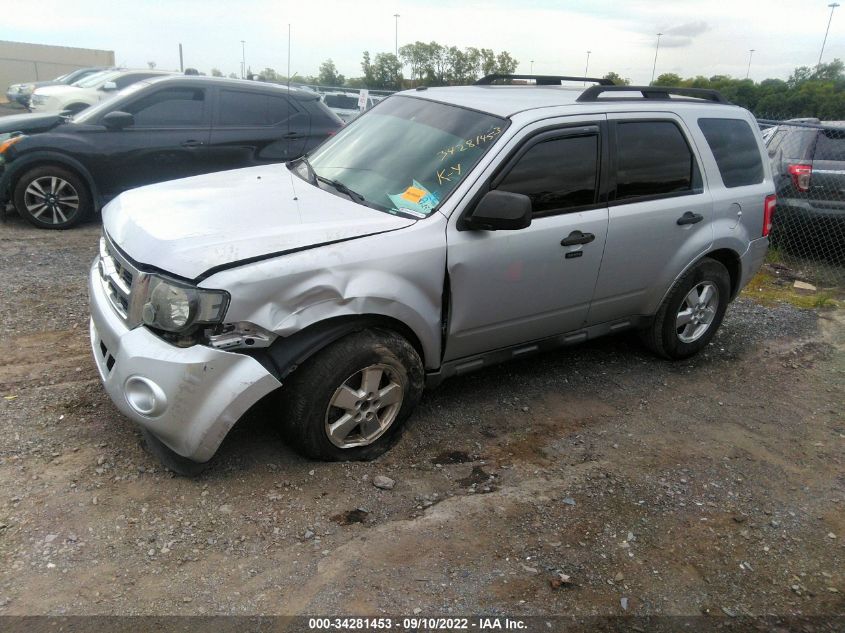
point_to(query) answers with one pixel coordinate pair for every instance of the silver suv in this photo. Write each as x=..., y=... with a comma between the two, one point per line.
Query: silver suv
x=445, y=230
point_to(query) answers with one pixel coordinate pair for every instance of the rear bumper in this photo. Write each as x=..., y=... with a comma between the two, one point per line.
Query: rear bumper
x=189, y=398
x=751, y=261
x=809, y=209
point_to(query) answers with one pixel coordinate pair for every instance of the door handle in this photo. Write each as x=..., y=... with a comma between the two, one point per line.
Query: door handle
x=577, y=237
x=192, y=143
x=690, y=218
x=292, y=135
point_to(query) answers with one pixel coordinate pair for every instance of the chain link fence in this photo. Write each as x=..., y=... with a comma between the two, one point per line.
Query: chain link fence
x=808, y=164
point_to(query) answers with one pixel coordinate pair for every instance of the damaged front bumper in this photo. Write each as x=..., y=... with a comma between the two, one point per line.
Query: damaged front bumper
x=189, y=398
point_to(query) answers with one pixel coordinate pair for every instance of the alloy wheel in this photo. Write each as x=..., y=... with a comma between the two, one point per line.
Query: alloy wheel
x=697, y=311
x=51, y=199
x=364, y=407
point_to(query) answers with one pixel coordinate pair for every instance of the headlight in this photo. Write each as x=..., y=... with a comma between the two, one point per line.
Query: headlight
x=38, y=99
x=25, y=89
x=174, y=306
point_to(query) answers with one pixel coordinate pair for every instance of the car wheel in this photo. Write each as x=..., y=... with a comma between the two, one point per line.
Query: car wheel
x=350, y=400
x=691, y=313
x=51, y=197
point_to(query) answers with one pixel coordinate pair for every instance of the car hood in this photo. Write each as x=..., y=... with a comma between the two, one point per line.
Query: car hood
x=56, y=89
x=188, y=227
x=29, y=123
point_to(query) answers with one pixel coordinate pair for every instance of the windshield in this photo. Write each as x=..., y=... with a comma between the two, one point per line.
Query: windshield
x=92, y=113
x=407, y=155
x=344, y=102
x=96, y=79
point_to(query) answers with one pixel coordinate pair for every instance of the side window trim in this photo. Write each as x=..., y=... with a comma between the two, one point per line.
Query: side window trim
x=206, y=111
x=541, y=136
x=697, y=177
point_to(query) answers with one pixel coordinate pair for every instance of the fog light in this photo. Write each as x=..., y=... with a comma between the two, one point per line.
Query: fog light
x=146, y=397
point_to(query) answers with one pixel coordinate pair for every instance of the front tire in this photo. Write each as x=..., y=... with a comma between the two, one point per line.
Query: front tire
x=691, y=313
x=52, y=197
x=350, y=400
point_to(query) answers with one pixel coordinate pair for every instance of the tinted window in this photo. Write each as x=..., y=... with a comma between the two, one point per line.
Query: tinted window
x=735, y=149
x=831, y=145
x=557, y=174
x=171, y=107
x=251, y=109
x=653, y=158
x=126, y=80
x=343, y=102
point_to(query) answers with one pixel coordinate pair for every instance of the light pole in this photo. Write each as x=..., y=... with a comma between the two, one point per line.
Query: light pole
x=243, y=59
x=532, y=67
x=750, y=55
x=657, y=48
x=586, y=67
x=396, y=35
x=832, y=6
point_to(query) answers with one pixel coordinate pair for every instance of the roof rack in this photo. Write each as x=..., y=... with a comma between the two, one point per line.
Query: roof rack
x=542, y=80
x=593, y=93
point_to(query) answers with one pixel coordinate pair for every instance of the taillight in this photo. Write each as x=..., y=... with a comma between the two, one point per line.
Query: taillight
x=801, y=176
x=768, y=213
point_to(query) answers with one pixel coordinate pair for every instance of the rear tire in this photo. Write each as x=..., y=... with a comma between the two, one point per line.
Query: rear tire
x=52, y=197
x=350, y=400
x=691, y=313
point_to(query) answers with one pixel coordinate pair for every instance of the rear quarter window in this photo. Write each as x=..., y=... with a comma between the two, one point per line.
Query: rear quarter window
x=735, y=149
x=831, y=145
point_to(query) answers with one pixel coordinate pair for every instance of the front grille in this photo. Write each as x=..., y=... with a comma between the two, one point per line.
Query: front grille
x=119, y=278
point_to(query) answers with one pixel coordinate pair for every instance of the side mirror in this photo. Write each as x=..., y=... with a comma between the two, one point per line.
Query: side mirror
x=118, y=120
x=109, y=86
x=500, y=211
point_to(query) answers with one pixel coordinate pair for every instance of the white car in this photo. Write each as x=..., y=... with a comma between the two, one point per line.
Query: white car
x=88, y=91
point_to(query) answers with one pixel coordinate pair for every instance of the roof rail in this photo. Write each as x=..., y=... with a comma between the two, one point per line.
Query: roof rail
x=593, y=93
x=542, y=80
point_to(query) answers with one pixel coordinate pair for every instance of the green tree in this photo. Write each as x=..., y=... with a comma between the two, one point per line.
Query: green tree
x=667, y=79
x=328, y=75
x=387, y=71
x=617, y=79
x=505, y=64
x=215, y=72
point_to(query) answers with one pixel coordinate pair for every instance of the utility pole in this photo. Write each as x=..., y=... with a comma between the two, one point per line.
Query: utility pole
x=750, y=55
x=181, y=65
x=532, y=67
x=396, y=36
x=288, y=57
x=243, y=59
x=654, y=67
x=587, y=67
x=832, y=6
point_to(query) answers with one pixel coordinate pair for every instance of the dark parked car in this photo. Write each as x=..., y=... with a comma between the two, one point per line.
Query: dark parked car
x=58, y=170
x=21, y=93
x=808, y=164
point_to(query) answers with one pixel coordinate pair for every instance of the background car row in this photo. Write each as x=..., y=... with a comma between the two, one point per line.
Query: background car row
x=58, y=170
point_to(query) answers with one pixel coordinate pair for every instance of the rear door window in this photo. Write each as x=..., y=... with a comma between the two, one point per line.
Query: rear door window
x=734, y=147
x=252, y=109
x=557, y=175
x=653, y=159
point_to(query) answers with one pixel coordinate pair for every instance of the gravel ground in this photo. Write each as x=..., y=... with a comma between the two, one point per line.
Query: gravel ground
x=596, y=480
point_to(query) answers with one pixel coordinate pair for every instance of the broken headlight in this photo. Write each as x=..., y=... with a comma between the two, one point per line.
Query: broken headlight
x=174, y=306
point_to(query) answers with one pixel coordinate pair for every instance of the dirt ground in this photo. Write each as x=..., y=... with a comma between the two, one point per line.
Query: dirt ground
x=593, y=480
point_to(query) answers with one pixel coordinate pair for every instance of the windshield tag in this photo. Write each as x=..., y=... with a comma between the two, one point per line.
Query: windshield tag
x=416, y=199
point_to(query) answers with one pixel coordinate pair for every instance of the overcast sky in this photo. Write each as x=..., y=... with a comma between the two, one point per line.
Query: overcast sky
x=700, y=37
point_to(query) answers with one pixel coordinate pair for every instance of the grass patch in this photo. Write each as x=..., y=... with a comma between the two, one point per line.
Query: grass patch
x=769, y=289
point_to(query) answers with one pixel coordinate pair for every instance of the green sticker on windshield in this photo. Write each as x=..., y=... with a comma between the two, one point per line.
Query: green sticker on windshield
x=416, y=200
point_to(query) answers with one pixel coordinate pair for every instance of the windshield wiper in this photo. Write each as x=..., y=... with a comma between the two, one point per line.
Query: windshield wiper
x=340, y=187
x=312, y=175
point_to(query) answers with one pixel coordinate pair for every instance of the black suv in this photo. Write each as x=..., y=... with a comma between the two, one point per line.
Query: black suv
x=808, y=164
x=58, y=170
